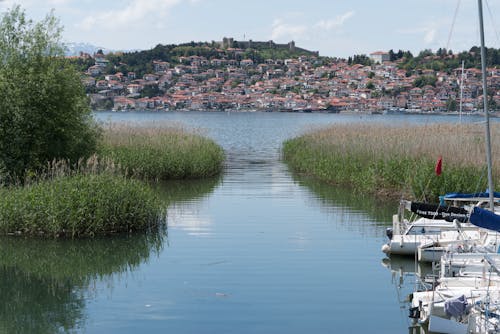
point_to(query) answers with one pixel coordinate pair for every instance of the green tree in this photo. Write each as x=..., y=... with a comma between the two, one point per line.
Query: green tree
x=44, y=112
x=492, y=105
x=451, y=105
x=361, y=59
x=150, y=91
x=392, y=55
x=425, y=80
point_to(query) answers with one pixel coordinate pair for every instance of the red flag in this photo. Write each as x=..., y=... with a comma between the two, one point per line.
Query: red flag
x=439, y=166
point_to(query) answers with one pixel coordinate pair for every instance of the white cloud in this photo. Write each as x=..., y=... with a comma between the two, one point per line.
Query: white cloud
x=334, y=23
x=58, y=2
x=282, y=29
x=427, y=32
x=22, y=3
x=135, y=11
x=430, y=35
x=5, y=3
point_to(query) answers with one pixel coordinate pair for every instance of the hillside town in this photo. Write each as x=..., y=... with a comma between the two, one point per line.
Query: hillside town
x=303, y=84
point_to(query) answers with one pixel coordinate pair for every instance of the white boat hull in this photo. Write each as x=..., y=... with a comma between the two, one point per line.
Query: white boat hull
x=431, y=254
x=446, y=326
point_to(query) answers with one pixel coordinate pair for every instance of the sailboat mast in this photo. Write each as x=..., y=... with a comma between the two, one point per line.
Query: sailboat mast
x=461, y=92
x=485, y=107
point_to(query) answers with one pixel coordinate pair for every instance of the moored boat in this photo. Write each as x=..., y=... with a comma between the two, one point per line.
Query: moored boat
x=437, y=227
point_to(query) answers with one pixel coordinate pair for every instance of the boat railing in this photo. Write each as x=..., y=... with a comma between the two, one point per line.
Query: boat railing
x=399, y=222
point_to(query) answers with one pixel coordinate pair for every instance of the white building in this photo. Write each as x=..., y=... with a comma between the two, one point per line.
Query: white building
x=380, y=56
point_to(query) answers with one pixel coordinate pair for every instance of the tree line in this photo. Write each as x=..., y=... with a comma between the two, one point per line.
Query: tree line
x=441, y=60
x=141, y=62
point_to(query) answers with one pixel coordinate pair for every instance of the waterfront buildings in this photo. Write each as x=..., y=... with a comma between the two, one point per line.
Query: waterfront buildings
x=306, y=83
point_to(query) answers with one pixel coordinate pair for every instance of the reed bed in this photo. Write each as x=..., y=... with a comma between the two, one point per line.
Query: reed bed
x=102, y=195
x=160, y=152
x=79, y=205
x=397, y=160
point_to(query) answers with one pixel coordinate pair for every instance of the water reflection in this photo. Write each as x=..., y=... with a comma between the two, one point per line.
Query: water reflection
x=44, y=283
x=188, y=216
x=186, y=190
x=335, y=198
x=368, y=216
x=402, y=266
x=185, y=197
x=32, y=304
x=406, y=275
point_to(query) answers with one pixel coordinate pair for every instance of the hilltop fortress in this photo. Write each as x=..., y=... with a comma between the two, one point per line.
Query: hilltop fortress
x=229, y=42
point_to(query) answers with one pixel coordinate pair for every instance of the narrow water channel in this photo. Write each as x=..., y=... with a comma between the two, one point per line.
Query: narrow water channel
x=257, y=250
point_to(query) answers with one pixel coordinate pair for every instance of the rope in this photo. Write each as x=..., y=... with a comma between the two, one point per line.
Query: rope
x=453, y=25
x=493, y=23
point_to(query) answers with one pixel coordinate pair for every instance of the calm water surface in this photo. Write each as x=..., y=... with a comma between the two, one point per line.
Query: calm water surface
x=257, y=250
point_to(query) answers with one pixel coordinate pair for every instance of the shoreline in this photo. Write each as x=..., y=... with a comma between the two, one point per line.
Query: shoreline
x=495, y=113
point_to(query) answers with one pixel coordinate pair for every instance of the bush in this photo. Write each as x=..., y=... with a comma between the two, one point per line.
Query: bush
x=44, y=112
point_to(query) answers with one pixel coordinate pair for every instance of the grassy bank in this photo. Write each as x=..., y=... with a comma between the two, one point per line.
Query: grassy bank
x=397, y=161
x=161, y=153
x=79, y=206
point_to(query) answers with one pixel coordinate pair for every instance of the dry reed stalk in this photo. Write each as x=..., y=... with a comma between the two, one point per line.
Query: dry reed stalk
x=458, y=144
x=126, y=134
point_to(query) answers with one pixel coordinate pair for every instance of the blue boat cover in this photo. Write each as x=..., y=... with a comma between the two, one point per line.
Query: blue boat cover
x=485, y=219
x=485, y=194
x=456, y=307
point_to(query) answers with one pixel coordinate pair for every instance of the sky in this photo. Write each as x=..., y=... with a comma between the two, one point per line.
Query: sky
x=336, y=28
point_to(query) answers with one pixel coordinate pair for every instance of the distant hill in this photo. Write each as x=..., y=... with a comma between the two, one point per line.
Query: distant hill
x=74, y=49
x=141, y=61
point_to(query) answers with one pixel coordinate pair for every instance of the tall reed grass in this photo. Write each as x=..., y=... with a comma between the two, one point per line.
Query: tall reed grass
x=160, y=152
x=79, y=202
x=397, y=161
x=101, y=195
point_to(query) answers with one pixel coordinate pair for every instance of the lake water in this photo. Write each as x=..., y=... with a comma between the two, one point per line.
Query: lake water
x=257, y=250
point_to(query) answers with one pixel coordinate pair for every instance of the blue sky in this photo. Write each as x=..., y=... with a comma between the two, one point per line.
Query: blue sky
x=333, y=27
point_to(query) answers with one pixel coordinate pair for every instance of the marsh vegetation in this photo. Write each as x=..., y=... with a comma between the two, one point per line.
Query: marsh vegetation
x=399, y=160
x=161, y=152
x=111, y=192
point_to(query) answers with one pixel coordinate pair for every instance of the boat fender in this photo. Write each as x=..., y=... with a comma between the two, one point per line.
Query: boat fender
x=389, y=232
